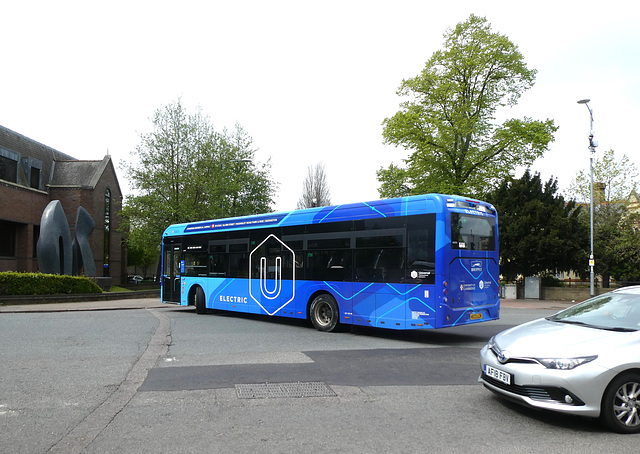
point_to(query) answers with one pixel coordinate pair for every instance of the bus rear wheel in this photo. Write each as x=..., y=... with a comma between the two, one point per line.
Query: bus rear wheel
x=201, y=307
x=324, y=313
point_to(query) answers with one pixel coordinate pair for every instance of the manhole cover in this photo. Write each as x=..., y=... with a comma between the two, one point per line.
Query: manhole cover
x=274, y=390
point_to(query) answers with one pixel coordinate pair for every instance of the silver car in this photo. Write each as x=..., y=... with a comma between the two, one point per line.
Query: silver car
x=584, y=360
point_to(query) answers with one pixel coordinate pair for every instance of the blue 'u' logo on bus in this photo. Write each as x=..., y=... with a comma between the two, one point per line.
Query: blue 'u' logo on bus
x=268, y=287
x=278, y=278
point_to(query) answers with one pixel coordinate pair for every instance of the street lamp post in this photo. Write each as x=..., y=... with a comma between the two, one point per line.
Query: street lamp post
x=592, y=148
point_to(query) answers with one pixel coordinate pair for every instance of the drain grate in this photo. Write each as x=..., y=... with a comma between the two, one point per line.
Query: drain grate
x=275, y=390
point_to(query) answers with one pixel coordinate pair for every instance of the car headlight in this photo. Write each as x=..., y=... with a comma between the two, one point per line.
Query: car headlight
x=565, y=363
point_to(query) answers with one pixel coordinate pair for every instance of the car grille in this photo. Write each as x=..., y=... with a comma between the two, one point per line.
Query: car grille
x=496, y=353
x=539, y=393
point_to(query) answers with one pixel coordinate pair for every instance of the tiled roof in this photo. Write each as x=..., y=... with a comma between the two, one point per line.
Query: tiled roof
x=58, y=169
x=29, y=148
x=78, y=174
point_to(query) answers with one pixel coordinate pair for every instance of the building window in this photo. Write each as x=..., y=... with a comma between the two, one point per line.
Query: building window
x=33, y=171
x=107, y=230
x=34, y=178
x=7, y=239
x=36, y=237
x=8, y=169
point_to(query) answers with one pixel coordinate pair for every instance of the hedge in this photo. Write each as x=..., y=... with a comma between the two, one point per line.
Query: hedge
x=13, y=283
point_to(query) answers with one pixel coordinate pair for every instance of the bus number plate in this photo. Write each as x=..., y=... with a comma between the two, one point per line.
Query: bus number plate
x=477, y=316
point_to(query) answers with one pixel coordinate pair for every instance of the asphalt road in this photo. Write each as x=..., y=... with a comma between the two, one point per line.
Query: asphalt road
x=163, y=379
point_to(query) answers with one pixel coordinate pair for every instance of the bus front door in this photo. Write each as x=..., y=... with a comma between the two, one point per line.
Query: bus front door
x=171, y=273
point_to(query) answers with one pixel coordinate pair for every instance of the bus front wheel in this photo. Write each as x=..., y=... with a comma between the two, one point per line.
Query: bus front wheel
x=201, y=307
x=324, y=313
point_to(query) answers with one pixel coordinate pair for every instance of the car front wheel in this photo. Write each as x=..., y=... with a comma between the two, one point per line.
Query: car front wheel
x=621, y=404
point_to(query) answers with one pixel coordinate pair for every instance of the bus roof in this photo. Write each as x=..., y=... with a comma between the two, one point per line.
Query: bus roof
x=402, y=206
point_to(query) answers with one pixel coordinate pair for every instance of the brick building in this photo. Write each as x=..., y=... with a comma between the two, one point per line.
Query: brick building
x=31, y=176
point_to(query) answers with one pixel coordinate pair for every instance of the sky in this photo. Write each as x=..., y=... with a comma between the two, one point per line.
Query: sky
x=310, y=81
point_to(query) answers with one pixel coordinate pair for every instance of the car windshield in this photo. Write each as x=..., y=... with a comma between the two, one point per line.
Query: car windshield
x=613, y=311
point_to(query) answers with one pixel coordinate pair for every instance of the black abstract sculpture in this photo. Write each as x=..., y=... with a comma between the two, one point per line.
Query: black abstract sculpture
x=82, y=255
x=57, y=253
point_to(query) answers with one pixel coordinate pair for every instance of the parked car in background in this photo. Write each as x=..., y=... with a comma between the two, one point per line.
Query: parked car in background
x=584, y=360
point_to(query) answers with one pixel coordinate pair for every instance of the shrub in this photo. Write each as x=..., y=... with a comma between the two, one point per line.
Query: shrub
x=12, y=283
x=551, y=281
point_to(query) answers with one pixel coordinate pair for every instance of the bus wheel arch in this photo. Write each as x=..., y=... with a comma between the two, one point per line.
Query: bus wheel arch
x=197, y=299
x=323, y=312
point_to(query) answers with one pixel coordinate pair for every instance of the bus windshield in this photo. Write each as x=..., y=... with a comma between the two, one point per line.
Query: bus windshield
x=474, y=233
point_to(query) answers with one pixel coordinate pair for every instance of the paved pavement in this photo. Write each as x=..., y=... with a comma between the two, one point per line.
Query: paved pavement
x=139, y=303
x=147, y=303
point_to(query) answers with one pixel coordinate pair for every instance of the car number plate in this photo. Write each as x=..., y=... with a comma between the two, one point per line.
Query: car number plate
x=497, y=374
x=477, y=316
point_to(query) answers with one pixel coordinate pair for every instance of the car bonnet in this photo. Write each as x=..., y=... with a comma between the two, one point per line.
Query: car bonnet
x=544, y=338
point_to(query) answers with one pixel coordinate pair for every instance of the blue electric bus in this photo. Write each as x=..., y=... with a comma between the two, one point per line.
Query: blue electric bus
x=428, y=261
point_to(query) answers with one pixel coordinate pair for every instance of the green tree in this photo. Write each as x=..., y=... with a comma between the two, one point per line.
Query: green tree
x=627, y=250
x=539, y=231
x=143, y=249
x=448, y=121
x=185, y=171
x=613, y=224
x=315, y=189
x=614, y=179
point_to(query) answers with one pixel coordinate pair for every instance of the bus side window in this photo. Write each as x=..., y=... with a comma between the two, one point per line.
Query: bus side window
x=421, y=249
x=239, y=265
x=379, y=265
x=195, y=264
x=218, y=265
x=420, y=257
x=339, y=265
x=379, y=256
x=391, y=264
x=238, y=258
x=329, y=265
x=291, y=265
